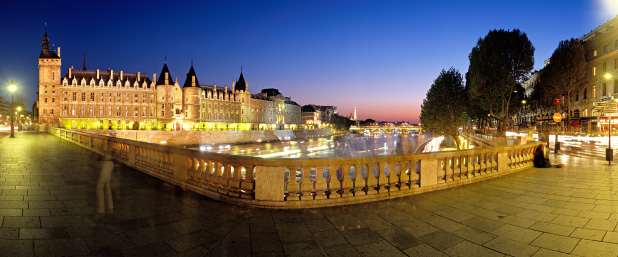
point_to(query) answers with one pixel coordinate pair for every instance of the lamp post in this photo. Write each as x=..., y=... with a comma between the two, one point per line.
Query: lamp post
x=12, y=88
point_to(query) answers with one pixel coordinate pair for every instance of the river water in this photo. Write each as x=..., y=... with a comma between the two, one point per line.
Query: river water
x=348, y=146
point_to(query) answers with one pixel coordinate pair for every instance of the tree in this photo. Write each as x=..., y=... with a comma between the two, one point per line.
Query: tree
x=498, y=63
x=366, y=122
x=442, y=111
x=340, y=123
x=565, y=74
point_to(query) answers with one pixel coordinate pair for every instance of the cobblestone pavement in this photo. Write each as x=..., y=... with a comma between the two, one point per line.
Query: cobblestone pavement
x=48, y=207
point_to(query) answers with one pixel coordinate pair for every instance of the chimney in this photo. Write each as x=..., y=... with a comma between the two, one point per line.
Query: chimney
x=167, y=78
x=58, y=51
x=70, y=71
x=232, y=85
x=111, y=75
x=138, y=75
x=193, y=80
x=154, y=77
x=121, y=76
x=225, y=88
x=98, y=75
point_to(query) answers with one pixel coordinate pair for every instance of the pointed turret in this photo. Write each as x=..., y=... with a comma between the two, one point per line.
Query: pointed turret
x=165, y=78
x=191, y=80
x=45, y=52
x=240, y=84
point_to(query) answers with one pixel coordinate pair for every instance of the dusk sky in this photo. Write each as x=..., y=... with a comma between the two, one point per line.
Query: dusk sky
x=380, y=56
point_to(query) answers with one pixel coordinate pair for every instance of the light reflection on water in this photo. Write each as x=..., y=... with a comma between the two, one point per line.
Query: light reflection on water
x=349, y=146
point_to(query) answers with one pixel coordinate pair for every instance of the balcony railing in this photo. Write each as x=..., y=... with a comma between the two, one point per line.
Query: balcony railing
x=307, y=183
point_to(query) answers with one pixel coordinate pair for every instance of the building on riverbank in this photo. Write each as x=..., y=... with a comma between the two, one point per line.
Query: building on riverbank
x=104, y=99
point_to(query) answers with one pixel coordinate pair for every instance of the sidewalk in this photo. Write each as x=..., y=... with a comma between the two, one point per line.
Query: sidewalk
x=48, y=207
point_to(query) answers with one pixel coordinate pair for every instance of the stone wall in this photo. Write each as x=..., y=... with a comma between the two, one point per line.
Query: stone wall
x=208, y=137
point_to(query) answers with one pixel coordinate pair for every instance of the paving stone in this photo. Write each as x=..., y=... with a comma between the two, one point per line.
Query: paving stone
x=315, y=225
x=302, y=248
x=378, y=248
x=474, y=235
x=58, y=247
x=466, y=248
x=556, y=242
x=341, y=251
x=588, y=234
x=611, y=237
x=423, y=250
x=107, y=242
x=511, y=247
x=594, y=248
x=43, y=233
x=518, y=234
x=361, y=236
x=156, y=249
x=570, y=221
x=599, y=224
x=399, y=238
x=265, y=242
x=35, y=212
x=440, y=239
x=21, y=222
x=15, y=248
x=553, y=228
x=549, y=253
x=329, y=238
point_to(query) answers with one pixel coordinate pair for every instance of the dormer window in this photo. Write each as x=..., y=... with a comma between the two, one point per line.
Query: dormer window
x=83, y=82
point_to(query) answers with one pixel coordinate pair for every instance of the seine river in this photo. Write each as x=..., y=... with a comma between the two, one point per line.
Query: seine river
x=349, y=146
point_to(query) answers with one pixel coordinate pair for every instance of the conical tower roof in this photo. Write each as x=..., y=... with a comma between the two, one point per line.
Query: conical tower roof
x=241, y=84
x=161, y=80
x=189, y=80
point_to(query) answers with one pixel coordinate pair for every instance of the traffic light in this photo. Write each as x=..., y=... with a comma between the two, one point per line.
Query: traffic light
x=557, y=101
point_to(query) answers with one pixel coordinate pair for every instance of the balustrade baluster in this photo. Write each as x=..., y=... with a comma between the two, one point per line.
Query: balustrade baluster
x=247, y=186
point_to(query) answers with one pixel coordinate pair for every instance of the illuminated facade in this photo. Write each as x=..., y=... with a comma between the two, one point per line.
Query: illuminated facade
x=317, y=116
x=95, y=99
x=601, y=51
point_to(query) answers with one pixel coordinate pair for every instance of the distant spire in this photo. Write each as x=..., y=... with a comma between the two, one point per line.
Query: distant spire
x=84, y=60
x=165, y=58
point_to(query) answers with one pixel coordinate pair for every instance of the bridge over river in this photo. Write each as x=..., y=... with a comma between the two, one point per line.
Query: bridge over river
x=48, y=207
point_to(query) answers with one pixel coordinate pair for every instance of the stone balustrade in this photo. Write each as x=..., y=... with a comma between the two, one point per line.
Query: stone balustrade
x=307, y=183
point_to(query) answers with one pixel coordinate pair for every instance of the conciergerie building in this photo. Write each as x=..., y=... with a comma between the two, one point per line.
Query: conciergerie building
x=108, y=99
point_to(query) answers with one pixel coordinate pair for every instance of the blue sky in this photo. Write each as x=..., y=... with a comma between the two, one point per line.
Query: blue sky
x=380, y=56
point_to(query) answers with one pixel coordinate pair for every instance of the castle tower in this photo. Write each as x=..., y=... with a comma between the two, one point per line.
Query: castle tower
x=169, y=100
x=240, y=87
x=191, y=97
x=49, y=84
x=354, y=112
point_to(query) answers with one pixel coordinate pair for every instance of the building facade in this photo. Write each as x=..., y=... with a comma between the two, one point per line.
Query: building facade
x=601, y=51
x=4, y=110
x=317, y=116
x=96, y=99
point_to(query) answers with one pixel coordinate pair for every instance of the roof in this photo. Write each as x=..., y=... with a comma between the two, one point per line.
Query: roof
x=241, y=84
x=189, y=80
x=88, y=75
x=45, y=52
x=161, y=80
x=307, y=108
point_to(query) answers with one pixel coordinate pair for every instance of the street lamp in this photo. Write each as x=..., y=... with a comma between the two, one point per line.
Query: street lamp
x=12, y=88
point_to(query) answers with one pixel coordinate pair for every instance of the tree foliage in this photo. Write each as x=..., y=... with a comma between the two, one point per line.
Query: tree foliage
x=498, y=63
x=442, y=111
x=340, y=123
x=565, y=74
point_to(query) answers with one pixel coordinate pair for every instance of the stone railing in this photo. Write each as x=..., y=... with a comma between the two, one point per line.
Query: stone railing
x=307, y=183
